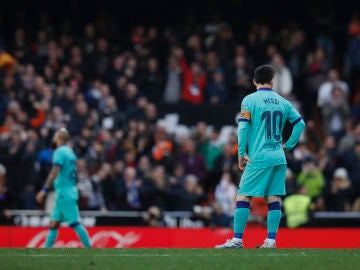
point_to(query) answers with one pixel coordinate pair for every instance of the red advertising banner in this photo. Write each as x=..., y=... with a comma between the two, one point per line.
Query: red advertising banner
x=140, y=237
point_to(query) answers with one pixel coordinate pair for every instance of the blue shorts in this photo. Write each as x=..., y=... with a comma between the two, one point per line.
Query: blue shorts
x=65, y=210
x=263, y=182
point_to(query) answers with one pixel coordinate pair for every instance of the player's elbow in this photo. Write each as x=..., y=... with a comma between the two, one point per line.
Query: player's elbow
x=302, y=124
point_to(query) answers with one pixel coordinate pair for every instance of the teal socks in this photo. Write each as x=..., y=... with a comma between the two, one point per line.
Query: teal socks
x=240, y=218
x=53, y=232
x=82, y=234
x=273, y=219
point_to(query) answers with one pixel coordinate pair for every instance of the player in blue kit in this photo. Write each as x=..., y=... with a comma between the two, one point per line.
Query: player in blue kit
x=261, y=154
x=63, y=176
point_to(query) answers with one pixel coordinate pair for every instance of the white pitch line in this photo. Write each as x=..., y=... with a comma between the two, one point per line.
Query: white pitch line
x=145, y=255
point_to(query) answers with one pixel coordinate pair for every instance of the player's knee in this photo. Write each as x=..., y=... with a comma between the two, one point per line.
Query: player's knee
x=274, y=206
x=74, y=224
x=272, y=199
x=243, y=198
x=54, y=225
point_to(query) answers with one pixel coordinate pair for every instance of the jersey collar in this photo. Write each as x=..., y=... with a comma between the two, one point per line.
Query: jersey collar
x=264, y=89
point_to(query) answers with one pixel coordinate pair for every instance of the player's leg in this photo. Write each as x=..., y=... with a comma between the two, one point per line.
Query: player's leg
x=276, y=187
x=54, y=226
x=72, y=216
x=53, y=233
x=82, y=233
x=273, y=221
x=248, y=187
x=241, y=216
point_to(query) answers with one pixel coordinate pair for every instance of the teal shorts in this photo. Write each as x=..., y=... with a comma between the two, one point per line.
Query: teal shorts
x=65, y=210
x=263, y=182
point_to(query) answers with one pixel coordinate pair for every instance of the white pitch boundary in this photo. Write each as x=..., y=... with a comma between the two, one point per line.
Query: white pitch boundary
x=148, y=255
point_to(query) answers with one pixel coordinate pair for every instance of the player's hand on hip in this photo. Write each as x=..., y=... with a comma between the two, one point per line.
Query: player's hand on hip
x=284, y=148
x=40, y=196
x=243, y=161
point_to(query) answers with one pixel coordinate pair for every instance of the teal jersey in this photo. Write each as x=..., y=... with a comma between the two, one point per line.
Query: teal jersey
x=261, y=123
x=65, y=182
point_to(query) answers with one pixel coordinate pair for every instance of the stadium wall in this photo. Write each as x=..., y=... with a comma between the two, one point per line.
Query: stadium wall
x=143, y=237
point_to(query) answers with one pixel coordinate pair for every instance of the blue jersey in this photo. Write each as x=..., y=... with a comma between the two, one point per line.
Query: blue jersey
x=65, y=182
x=261, y=123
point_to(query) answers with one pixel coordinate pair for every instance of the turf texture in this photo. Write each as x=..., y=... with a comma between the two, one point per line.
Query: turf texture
x=176, y=259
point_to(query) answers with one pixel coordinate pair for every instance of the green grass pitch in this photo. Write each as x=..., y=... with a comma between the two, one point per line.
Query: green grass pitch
x=178, y=259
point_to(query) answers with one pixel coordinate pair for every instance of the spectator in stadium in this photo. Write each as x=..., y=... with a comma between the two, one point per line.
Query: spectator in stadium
x=211, y=66
x=297, y=207
x=283, y=83
x=226, y=161
x=172, y=89
x=335, y=113
x=99, y=61
x=90, y=189
x=218, y=218
x=7, y=62
x=224, y=45
x=193, y=162
x=130, y=189
x=110, y=117
x=208, y=145
x=151, y=81
x=191, y=195
x=153, y=217
x=241, y=79
x=316, y=69
x=217, y=91
x=351, y=136
x=326, y=88
x=5, y=215
x=79, y=118
x=340, y=196
x=351, y=161
x=311, y=177
x=225, y=193
x=352, y=62
x=193, y=79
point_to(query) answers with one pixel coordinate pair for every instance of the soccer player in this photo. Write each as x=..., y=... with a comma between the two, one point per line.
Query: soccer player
x=63, y=176
x=262, y=119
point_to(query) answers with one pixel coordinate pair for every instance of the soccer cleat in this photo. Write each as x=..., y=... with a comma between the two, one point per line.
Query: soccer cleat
x=231, y=243
x=268, y=243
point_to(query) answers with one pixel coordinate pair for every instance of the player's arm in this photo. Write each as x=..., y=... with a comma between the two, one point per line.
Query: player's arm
x=57, y=163
x=51, y=177
x=298, y=126
x=48, y=183
x=243, y=127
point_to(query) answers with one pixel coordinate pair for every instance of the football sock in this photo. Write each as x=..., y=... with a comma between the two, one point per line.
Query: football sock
x=53, y=232
x=273, y=219
x=82, y=234
x=240, y=218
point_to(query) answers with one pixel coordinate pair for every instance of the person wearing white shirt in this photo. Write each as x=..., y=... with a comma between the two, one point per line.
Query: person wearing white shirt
x=325, y=89
x=283, y=83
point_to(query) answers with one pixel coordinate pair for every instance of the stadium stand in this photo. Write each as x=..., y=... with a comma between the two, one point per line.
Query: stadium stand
x=152, y=109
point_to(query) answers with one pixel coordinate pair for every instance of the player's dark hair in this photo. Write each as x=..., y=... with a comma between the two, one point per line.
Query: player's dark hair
x=264, y=74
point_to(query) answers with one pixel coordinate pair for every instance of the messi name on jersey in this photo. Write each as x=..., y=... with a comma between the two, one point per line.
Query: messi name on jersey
x=271, y=101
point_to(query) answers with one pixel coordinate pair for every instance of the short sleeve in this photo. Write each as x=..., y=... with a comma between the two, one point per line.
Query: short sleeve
x=57, y=159
x=245, y=114
x=293, y=115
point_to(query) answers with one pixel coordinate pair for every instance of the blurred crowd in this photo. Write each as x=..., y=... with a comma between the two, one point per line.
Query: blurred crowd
x=107, y=96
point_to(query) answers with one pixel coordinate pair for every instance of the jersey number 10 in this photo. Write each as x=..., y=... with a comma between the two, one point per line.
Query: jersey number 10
x=273, y=122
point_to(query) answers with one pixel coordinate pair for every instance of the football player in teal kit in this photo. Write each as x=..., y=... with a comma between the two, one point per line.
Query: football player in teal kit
x=261, y=154
x=63, y=176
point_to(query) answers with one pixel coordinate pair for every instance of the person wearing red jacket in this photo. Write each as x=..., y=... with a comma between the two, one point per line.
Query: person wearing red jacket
x=193, y=79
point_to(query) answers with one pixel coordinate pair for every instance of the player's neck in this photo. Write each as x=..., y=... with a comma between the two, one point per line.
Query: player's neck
x=265, y=86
